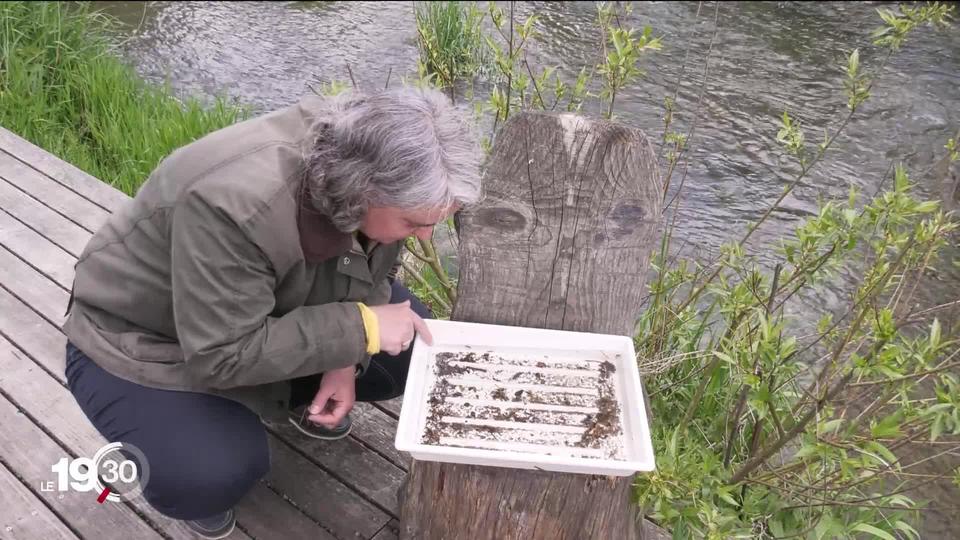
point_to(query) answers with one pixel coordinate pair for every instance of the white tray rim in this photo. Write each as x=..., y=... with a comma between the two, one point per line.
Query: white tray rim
x=407, y=439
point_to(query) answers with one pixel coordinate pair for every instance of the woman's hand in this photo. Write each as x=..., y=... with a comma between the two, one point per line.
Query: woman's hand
x=397, y=323
x=335, y=398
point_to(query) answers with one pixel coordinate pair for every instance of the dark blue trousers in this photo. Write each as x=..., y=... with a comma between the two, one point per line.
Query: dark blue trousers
x=205, y=452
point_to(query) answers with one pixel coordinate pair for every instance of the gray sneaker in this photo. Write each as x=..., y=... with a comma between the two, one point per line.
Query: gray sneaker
x=311, y=429
x=214, y=527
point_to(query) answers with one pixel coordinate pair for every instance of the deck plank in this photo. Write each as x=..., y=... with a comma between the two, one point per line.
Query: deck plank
x=392, y=406
x=53, y=194
x=32, y=333
x=390, y=531
x=43, y=295
x=23, y=516
x=30, y=453
x=66, y=234
x=30, y=246
x=264, y=519
x=315, y=492
x=378, y=430
x=353, y=464
x=62, y=172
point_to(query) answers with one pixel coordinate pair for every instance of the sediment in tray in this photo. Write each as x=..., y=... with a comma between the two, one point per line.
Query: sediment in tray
x=484, y=400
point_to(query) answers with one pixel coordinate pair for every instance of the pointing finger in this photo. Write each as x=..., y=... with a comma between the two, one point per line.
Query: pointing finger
x=422, y=328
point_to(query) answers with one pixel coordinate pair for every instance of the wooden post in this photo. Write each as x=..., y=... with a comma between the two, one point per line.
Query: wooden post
x=562, y=240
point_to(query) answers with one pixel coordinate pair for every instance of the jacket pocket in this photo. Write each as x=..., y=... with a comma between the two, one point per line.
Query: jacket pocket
x=151, y=348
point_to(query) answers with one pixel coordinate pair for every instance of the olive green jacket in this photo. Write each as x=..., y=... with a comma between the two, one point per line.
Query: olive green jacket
x=217, y=278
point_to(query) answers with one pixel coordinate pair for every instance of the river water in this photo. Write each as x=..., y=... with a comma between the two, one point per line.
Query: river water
x=765, y=58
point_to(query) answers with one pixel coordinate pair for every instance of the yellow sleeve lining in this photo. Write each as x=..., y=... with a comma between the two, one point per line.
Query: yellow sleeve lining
x=372, y=328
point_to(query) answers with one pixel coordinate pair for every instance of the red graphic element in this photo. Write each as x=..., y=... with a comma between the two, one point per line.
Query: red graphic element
x=103, y=496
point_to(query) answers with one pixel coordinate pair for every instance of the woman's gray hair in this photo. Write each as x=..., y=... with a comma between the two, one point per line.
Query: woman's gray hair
x=405, y=148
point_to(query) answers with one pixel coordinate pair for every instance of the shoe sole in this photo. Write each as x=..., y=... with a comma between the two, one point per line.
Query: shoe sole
x=321, y=437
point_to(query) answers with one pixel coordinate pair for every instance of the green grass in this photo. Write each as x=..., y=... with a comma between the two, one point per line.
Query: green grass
x=63, y=87
x=451, y=39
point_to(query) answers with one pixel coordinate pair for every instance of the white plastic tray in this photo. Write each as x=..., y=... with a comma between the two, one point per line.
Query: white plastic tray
x=547, y=352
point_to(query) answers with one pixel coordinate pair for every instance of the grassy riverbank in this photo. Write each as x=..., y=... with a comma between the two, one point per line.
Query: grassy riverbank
x=63, y=88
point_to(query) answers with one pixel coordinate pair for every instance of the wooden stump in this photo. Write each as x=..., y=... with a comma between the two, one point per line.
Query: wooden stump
x=562, y=240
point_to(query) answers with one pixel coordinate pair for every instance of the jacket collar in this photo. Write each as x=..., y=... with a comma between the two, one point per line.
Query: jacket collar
x=320, y=240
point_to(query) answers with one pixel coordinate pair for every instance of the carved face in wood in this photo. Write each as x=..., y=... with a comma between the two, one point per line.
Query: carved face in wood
x=387, y=224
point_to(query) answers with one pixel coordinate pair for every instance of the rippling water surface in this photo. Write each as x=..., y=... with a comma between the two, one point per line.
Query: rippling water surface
x=766, y=58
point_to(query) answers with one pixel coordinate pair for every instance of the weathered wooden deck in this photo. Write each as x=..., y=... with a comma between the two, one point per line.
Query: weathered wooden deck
x=316, y=490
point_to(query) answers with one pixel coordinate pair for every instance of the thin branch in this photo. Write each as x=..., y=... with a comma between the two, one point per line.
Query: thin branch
x=886, y=469
x=744, y=388
x=950, y=451
x=824, y=376
x=908, y=377
x=916, y=281
x=800, y=425
x=352, y=80
x=693, y=373
x=790, y=187
x=408, y=268
x=543, y=104
x=805, y=532
x=805, y=169
x=821, y=503
x=939, y=307
x=510, y=73
x=896, y=492
x=688, y=141
x=415, y=253
x=702, y=387
x=804, y=274
x=776, y=419
x=874, y=405
x=438, y=269
x=676, y=86
x=925, y=443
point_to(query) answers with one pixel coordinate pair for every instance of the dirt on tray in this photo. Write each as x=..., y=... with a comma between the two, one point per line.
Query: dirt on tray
x=602, y=428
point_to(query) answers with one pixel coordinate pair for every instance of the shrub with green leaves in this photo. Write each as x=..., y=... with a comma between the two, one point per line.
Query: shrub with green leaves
x=761, y=432
x=764, y=433
x=622, y=51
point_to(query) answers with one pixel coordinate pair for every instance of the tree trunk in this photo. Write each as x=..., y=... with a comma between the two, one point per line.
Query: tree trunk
x=562, y=240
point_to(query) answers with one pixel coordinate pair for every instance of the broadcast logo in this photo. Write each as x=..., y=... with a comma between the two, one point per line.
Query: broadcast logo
x=117, y=472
